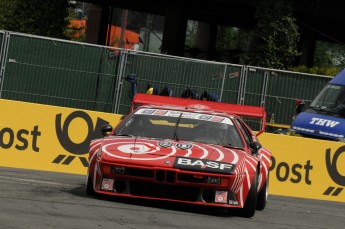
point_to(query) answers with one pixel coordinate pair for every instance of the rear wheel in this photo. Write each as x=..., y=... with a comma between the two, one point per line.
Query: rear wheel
x=262, y=195
x=249, y=207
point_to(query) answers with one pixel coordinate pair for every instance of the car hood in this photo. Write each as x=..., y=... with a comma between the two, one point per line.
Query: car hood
x=171, y=154
x=319, y=125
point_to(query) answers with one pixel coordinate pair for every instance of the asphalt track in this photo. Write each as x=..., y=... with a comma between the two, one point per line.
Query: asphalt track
x=36, y=199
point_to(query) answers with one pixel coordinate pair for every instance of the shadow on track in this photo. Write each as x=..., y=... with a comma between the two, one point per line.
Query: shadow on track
x=158, y=204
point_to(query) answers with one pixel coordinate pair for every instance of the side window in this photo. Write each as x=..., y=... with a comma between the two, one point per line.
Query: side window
x=243, y=129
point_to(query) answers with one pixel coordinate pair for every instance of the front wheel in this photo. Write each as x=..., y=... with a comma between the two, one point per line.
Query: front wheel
x=262, y=195
x=89, y=186
x=249, y=207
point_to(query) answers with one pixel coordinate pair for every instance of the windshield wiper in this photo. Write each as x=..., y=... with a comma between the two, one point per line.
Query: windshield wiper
x=327, y=110
x=176, y=125
x=317, y=108
x=123, y=135
x=232, y=147
x=324, y=109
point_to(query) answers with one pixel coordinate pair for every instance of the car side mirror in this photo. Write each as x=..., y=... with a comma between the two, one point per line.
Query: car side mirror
x=106, y=129
x=255, y=146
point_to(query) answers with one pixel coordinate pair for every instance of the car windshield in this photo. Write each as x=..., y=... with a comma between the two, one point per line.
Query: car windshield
x=184, y=126
x=331, y=99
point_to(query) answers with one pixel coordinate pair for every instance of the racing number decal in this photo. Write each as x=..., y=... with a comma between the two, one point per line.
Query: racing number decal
x=76, y=148
x=333, y=172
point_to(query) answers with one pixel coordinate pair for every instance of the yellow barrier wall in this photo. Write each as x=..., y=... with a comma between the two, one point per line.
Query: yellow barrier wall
x=56, y=139
x=48, y=138
x=304, y=167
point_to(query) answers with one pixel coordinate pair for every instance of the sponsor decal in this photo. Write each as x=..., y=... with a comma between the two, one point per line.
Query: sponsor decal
x=147, y=111
x=217, y=119
x=174, y=113
x=301, y=173
x=77, y=149
x=107, y=184
x=165, y=144
x=8, y=137
x=323, y=122
x=183, y=146
x=294, y=173
x=190, y=115
x=205, y=117
x=160, y=112
x=233, y=202
x=203, y=165
x=221, y=197
x=333, y=172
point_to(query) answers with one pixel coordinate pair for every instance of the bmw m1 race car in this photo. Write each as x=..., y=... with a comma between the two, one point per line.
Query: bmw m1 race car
x=183, y=150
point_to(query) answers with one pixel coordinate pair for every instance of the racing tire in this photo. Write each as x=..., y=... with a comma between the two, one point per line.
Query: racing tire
x=249, y=207
x=89, y=187
x=262, y=196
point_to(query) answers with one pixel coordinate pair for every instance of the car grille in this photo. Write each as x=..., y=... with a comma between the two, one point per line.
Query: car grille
x=140, y=172
x=164, y=191
x=167, y=176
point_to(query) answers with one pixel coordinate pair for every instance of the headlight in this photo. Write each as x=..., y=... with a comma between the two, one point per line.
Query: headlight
x=213, y=180
x=223, y=181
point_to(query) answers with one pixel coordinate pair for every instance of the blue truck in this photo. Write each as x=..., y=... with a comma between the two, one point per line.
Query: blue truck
x=325, y=117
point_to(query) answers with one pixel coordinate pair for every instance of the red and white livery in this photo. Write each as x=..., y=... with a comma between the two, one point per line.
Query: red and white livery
x=183, y=150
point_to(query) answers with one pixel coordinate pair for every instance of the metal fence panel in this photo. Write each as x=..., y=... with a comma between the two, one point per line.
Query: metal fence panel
x=283, y=88
x=2, y=45
x=253, y=87
x=59, y=73
x=178, y=74
x=2, y=56
x=231, y=85
x=79, y=75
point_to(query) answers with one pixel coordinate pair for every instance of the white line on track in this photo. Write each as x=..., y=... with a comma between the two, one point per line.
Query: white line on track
x=32, y=181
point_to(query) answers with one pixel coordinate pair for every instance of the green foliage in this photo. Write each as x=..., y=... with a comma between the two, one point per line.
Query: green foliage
x=231, y=44
x=39, y=17
x=328, y=71
x=75, y=34
x=329, y=55
x=275, y=38
x=226, y=38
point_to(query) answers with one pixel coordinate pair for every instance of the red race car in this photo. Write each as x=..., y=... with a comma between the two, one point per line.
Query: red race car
x=183, y=150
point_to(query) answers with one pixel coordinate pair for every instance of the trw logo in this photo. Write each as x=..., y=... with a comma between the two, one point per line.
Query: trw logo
x=323, y=122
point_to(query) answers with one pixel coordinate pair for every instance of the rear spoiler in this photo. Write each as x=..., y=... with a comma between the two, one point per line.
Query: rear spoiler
x=240, y=110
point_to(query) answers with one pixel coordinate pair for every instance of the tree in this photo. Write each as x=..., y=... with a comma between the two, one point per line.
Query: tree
x=232, y=43
x=39, y=17
x=275, y=38
x=329, y=54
